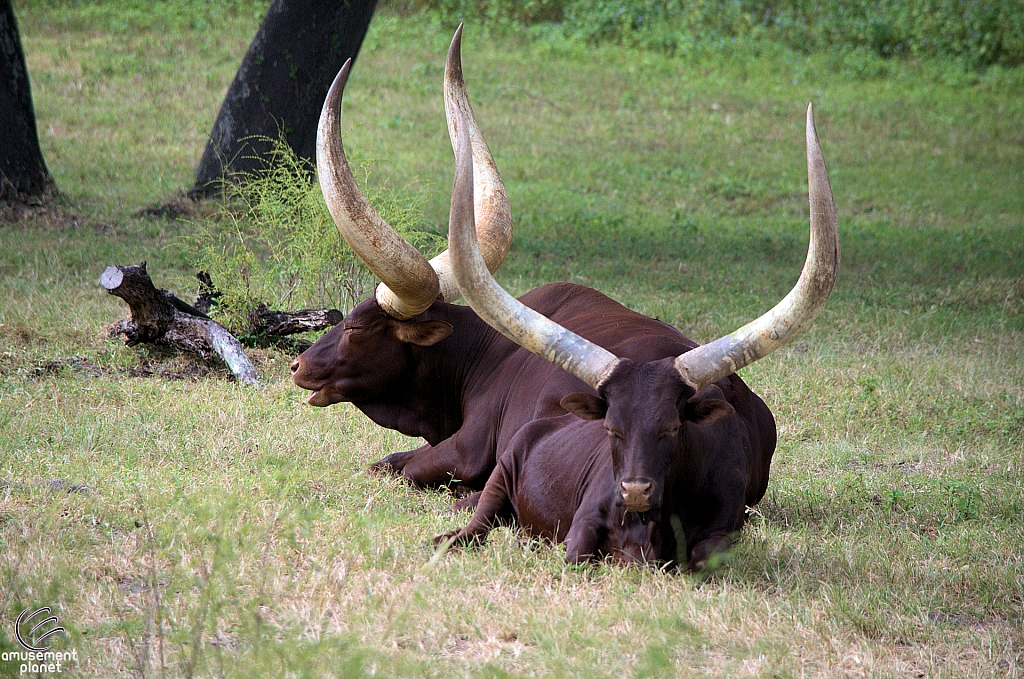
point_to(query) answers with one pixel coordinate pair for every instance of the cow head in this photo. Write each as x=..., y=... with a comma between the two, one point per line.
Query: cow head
x=363, y=358
x=646, y=407
x=335, y=367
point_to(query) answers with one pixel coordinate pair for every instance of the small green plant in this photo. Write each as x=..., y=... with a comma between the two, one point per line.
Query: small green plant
x=273, y=242
x=965, y=501
x=895, y=498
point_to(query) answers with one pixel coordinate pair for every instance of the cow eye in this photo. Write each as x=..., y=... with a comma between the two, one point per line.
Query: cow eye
x=615, y=434
x=669, y=432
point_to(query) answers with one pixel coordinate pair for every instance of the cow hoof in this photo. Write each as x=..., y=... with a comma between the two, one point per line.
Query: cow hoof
x=469, y=502
x=445, y=537
x=383, y=468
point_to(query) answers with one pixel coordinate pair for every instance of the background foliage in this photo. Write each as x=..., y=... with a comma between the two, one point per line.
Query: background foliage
x=978, y=33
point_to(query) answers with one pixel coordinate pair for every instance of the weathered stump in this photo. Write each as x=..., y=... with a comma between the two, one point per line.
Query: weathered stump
x=158, y=317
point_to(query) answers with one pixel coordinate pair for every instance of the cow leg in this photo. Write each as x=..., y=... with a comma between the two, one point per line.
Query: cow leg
x=716, y=543
x=395, y=462
x=427, y=466
x=468, y=502
x=583, y=540
x=448, y=463
x=588, y=530
x=492, y=505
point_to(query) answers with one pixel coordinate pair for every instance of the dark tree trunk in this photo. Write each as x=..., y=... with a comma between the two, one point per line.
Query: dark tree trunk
x=281, y=85
x=23, y=172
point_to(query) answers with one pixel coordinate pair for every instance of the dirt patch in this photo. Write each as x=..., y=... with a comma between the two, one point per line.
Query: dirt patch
x=61, y=364
x=175, y=208
x=20, y=335
x=179, y=367
x=52, y=485
x=171, y=366
x=44, y=212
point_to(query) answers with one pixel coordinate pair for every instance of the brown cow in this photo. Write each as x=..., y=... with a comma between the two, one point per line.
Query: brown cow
x=468, y=393
x=685, y=446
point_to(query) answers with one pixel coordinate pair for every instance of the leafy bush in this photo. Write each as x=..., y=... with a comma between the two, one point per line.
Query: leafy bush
x=978, y=32
x=273, y=242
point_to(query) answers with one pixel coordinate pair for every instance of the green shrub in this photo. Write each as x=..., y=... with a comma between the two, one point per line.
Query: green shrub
x=273, y=242
x=979, y=33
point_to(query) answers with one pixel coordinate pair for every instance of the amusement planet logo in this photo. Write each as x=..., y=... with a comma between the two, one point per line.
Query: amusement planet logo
x=33, y=629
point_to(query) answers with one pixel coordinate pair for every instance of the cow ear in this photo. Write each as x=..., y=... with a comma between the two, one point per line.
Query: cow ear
x=707, y=411
x=423, y=333
x=585, y=406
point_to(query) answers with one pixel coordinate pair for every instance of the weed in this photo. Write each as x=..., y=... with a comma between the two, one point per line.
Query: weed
x=273, y=242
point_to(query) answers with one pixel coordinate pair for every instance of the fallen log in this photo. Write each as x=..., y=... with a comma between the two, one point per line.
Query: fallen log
x=265, y=322
x=280, y=323
x=207, y=294
x=158, y=317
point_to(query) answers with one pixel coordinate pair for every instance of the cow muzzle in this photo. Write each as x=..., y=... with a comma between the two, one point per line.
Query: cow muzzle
x=322, y=395
x=635, y=494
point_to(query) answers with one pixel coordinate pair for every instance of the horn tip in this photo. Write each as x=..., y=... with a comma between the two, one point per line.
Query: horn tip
x=812, y=129
x=341, y=78
x=456, y=40
x=453, y=64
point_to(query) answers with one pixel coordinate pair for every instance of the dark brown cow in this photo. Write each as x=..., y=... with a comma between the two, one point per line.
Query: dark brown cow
x=469, y=392
x=557, y=479
x=685, y=446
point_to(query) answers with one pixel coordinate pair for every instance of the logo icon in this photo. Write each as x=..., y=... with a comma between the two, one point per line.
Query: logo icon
x=34, y=641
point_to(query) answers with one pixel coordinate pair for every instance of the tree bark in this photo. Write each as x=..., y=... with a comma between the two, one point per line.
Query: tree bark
x=158, y=317
x=281, y=85
x=281, y=323
x=23, y=173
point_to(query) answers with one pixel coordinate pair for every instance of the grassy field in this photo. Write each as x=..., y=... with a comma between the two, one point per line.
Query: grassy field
x=233, y=532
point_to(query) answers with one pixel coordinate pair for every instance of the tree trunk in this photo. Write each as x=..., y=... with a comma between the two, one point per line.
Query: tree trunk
x=281, y=85
x=23, y=173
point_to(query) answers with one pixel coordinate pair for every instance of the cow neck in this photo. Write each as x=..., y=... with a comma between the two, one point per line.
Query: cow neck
x=692, y=461
x=485, y=377
x=430, y=405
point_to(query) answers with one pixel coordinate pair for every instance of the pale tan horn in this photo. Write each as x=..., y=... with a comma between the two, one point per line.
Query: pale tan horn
x=409, y=284
x=713, y=361
x=491, y=207
x=407, y=289
x=500, y=310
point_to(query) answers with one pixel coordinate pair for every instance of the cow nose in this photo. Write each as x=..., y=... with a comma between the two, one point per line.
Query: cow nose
x=295, y=366
x=636, y=495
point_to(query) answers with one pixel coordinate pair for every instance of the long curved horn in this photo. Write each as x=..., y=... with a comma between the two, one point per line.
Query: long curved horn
x=715, y=360
x=409, y=284
x=500, y=310
x=491, y=207
x=375, y=242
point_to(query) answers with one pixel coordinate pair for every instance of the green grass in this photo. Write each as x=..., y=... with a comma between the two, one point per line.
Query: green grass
x=233, y=532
